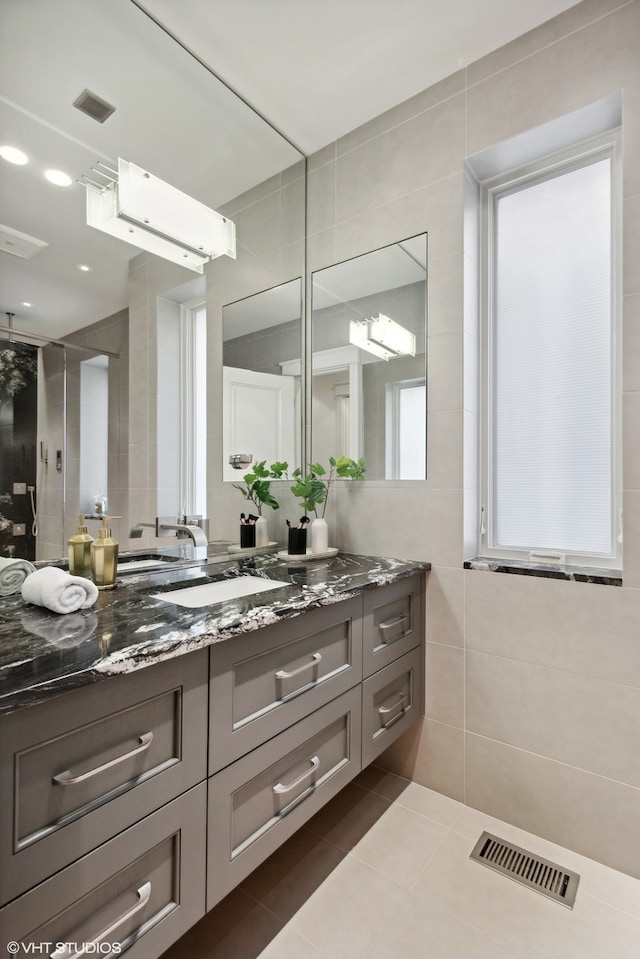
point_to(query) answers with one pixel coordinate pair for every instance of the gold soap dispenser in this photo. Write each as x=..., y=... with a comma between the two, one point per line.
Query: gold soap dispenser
x=104, y=557
x=80, y=550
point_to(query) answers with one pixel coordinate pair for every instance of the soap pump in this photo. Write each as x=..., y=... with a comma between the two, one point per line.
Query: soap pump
x=80, y=550
x=104, y=557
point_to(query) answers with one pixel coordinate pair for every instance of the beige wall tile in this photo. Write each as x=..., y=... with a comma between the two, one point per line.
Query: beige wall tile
x=445, y=312
x=436, y=209
x=445, y=372
x=398, y=522
x=631, y=443
x=321, y=202
x=562, y=77
x=445, y=606
x=594, y=816
x=402, y=161
x=631, y=545
x=407, y=110
x=445, y=677
x=587, y=629
x=444, y=449
x=573, y=719
x=631, y=244
x=575, y=18
x=432, y=754
x=631, y=343
x=631, y=146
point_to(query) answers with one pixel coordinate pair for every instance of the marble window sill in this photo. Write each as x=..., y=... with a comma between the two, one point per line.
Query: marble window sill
x=603, y=577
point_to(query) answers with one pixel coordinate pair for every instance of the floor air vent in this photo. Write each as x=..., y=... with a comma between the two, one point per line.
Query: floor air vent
x=544, y=876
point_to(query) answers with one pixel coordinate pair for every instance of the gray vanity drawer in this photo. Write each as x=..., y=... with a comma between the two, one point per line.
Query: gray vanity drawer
x=392, y=700
x=141, y=890
x=77, y=770
x=260, y=800
x=264, y=682
x=393, y=622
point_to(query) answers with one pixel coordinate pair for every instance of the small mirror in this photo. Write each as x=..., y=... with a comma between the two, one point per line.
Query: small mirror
x=262, y=397
x=369, y=373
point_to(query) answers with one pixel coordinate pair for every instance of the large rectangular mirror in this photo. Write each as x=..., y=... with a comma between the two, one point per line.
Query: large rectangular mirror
x=176, y=119
x=369, y=370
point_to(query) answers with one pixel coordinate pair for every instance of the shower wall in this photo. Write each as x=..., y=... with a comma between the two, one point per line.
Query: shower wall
x=18, y=445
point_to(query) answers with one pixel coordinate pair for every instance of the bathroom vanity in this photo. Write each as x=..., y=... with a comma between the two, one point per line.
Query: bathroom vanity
x=152, y=754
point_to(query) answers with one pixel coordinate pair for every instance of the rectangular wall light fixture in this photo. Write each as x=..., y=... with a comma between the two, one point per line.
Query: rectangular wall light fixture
x=143, y=210
x=382, y=336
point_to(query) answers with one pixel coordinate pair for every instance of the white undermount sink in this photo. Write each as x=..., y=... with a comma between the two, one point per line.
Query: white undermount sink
x=208, y=594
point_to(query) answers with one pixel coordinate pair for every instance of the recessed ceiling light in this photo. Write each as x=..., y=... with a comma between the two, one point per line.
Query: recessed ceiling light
x=58, y=178
x=26, y=303
x=84, y=268
x=13, y=155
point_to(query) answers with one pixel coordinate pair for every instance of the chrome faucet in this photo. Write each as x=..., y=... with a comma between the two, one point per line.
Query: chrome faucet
x=182, y=530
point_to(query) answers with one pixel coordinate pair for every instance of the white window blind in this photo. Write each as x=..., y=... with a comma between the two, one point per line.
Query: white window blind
x=551, y=417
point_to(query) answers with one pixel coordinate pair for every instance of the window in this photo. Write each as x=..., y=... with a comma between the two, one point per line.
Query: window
x=406, y=425
x=550, y=476
x=193, y=407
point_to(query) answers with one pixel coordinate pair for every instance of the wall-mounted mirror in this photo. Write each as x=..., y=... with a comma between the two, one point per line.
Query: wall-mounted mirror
x=262, y=396
x=174, y=118
x=369, y=370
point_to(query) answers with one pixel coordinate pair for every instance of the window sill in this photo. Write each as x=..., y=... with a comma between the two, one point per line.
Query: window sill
x=603, y=577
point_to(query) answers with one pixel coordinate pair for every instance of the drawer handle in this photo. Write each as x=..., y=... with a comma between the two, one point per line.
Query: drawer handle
x=144, y=894
x=281, y=791
x=393, y=629
x=396, y=710
x=68, y=779
x=283, y=675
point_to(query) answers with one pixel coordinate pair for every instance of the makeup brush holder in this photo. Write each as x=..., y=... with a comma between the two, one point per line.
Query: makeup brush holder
x=297, y=542
x=247, y=536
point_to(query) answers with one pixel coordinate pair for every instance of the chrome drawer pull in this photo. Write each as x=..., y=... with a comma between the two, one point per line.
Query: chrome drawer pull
x=397, y=709
x=281, y=790
x=68, y=779
x=282, y=675
x=393, y=629
x=144, y=894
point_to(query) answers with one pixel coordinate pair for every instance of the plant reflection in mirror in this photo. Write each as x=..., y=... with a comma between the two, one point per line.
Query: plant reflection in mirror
x=256, y=485
x=313, y=488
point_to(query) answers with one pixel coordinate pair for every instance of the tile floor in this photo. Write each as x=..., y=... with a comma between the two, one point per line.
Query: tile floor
x=383, y=872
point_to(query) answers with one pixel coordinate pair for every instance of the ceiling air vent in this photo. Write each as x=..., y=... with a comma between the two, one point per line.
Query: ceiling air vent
x=94, y=106
x=543, y=876
x=19, y=244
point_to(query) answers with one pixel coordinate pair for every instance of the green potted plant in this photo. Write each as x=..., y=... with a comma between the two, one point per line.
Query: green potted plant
x=313, y=490
x=256, y=489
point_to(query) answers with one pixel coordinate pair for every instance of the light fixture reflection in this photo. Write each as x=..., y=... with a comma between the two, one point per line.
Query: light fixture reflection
x=382, y=336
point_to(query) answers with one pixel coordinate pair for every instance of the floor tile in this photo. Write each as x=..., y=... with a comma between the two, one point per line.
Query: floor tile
x=293, y=873
x=289, y=945
x=383, y=872
x=400, y=844
x=422, y=930
x=347, y=915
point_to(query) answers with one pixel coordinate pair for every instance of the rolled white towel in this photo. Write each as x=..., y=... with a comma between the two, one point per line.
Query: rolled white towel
x=59, y=591
x=13, y=573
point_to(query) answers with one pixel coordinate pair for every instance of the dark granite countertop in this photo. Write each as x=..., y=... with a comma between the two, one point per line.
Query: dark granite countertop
x=43, y=654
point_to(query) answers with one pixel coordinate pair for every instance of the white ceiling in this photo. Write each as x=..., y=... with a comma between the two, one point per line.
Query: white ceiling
x=314, y=71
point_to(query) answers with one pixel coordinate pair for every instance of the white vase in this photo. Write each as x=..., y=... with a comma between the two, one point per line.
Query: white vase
x=319, y=536
x=262, y=531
